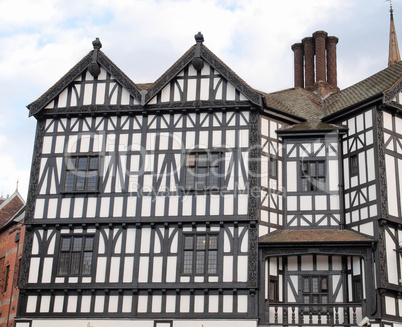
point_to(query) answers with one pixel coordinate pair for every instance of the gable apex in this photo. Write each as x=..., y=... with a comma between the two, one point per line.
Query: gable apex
x=196, y=56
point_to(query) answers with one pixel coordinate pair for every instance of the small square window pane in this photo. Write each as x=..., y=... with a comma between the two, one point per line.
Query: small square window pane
x=86, y=263
x=69, y=184
x=202, y=176
x=188, y=262
x=214, y=162
x=71, y=163
x=77, y=244
x=312, y=170
x=201, y=242
x=82, y=163
x=92, y=180
x=190, y=162
x=213, y=242
x=200, y=262
x=93, y=163
x=75, y=262
x=203, y=160
x=188, y=242
x=315, y=284
x=64, y=263
x=65, y=244
x=214, y=177
x=89, y=242
x=321, y=169
x=212, y=262
x=306, y=284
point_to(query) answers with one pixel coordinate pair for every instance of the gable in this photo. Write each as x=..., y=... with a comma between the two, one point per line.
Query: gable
x=201, y=79
x=190, y=85
x=86, y=90
x=94, y=84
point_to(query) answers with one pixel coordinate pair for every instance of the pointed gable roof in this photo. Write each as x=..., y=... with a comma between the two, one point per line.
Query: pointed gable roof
x=201, y=51
x=92, y=59
x=11, y=208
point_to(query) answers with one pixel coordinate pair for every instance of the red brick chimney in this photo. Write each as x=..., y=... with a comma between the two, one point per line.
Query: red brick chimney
x=299, y=64
x=317, y=55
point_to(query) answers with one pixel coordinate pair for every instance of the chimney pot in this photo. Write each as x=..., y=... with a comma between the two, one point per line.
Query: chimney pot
x=320, y=44
x=331, y=60
x=308, y=44
x=298, y=64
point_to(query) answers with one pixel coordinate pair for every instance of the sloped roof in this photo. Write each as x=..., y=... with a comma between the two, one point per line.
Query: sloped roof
x=314, y=236
x=368, y=88
x=11, y=208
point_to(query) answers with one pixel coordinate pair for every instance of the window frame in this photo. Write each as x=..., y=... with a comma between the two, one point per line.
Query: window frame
x=320, y=293
x=273, y=167
x=193, y=164
x=80, y=176
x=273, y=286
x=67, y=262
x=312, y=179
x=207, y=264
x=354, y=165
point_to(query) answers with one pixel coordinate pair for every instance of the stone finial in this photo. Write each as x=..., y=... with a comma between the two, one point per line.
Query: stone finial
x=199, y=38
x=94, y=67
x=97, y=44
x=197, y=61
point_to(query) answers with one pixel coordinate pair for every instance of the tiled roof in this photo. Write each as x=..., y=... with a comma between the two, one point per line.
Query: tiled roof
x=372, y=86
x=10, y=207
x=314, y=236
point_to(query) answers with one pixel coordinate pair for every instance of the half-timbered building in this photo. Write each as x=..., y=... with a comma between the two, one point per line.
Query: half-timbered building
x=199, y=201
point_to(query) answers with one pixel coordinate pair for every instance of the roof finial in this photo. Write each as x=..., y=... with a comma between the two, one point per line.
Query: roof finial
x=393, y=55
x=94, y=68
x=18, y=180
x=197, y=62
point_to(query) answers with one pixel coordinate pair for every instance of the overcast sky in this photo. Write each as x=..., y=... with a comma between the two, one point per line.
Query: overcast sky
x=40, y=40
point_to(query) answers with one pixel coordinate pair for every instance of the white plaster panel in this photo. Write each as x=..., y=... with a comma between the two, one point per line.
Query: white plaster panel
x=47, y=270
x=33, y=270
x=228, y=303
x=391, y=184
x=113, y=303
x=199, y=303
x=333, y=175
x=72, y=303
x=128, y=269
x=39, y=207
x=307, y=262
x=44, y=303
x=127, y=303
x=228, y=269
x=31, y=303
x=157, y=271
x=131, y=206
x=143, y=270
x=213, y=305
x=58, y=303
x=242, y=265
x=291, y=184
x=390, y=307
x=171, y=269
x=101, y=269
x=114, y=270
x=185, y=303
x=99, y=303
x=145, y=240
x=86, y=303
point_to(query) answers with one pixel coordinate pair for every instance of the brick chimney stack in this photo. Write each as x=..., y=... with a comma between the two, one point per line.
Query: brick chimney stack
x=315, y=62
